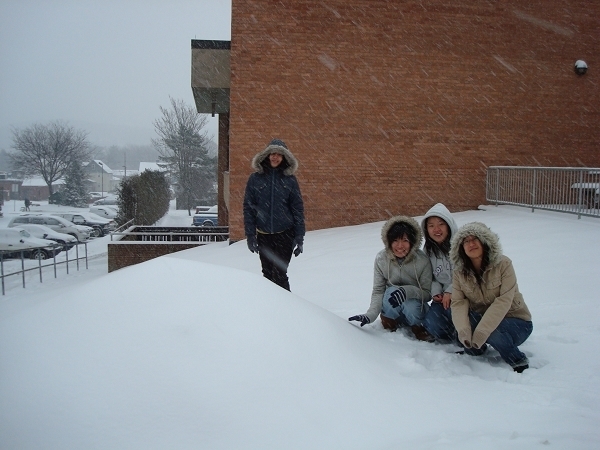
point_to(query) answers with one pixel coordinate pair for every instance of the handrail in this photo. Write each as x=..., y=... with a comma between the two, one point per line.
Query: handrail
x=573, y=190
x=41, y=266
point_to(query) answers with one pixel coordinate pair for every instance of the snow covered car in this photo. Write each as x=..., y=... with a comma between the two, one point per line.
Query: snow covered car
x=206, y=218
x=17, y=241
x=108, y=200
x=100, y=225
x=44, y=232
x=104, y=211
x=81, y=232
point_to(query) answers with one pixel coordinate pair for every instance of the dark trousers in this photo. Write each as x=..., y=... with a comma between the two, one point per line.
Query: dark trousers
x=275, y=251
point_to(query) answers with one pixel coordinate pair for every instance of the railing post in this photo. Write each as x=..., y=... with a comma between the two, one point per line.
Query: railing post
x=580, y=195
x=534, y=190
x=23, y=267
x=2, y=271
x=40, y=266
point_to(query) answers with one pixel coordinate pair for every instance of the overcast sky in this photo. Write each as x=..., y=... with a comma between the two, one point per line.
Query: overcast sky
x=104, y=66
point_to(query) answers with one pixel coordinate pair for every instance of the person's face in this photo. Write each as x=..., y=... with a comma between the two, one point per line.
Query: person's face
x=401, y=246
x=473, y=247
x=275, y=159
x=437, y=229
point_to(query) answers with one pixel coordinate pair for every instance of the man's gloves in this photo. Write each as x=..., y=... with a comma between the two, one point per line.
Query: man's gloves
x=361, y=318
x=252, y=244
x=397, y=297
x=299, y=242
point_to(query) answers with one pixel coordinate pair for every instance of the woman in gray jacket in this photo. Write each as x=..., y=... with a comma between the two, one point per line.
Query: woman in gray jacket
x=402, y=279
x=487, y=306
x=439, y=227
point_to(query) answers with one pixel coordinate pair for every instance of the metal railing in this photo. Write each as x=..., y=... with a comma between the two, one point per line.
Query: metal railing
x=37, y=265
x=573, y=190
x=173, y=234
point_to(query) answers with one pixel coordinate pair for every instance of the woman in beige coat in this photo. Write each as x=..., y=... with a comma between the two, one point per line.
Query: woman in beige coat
x=487, y=306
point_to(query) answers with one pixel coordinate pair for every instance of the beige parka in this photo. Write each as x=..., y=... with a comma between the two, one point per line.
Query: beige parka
x=495, y=298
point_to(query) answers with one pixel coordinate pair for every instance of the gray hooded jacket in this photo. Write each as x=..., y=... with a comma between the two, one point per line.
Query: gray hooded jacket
x=413, y=273
x=442, y=266
x=495, y=298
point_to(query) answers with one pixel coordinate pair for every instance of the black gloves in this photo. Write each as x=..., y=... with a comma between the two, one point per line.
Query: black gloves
x=397, y=297
x=252, y=244
x=361, y=318
x=299, y=241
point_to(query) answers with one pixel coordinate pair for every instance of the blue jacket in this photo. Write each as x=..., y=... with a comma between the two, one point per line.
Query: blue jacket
x=272, y=201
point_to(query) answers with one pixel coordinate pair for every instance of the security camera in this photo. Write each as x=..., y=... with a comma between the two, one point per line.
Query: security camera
x=580, y=67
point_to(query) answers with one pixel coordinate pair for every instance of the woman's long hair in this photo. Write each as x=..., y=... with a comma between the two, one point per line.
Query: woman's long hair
x=468, y=269
x=431, y=246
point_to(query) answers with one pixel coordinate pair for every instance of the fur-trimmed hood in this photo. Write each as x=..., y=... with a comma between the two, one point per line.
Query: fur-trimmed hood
x=289, y=163
x=408, y=221
x=484, y=234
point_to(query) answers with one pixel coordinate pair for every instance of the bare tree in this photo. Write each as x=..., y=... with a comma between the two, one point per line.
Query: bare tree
x=48, y=150
x=182, y=145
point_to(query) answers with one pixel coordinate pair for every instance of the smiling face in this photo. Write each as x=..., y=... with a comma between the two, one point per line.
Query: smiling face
x=401, y=246
x=275, y=159
x=437, y=229
x=473, y=248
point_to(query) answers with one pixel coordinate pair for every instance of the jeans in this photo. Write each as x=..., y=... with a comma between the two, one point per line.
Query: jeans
x=438, y=322
x=410, y=312
x=275, y=252
x=510, y=333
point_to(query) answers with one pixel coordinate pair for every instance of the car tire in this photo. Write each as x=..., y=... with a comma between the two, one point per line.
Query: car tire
x=208, y=223
x=39, y=254
x=96, y=232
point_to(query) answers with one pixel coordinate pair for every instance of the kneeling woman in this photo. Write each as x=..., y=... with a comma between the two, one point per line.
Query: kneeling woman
x=402, y=279
x=486, y=303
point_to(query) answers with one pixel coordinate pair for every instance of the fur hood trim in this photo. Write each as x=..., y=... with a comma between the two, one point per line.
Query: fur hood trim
x=290, y=159
x=408, y=221
x=481, y=232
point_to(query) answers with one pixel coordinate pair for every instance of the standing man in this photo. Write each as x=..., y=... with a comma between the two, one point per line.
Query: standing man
x=274, y=211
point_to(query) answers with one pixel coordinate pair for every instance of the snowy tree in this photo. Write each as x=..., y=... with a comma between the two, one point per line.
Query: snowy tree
x=75, y=192
x=144, y=198
x=48, y=150
x=182, y=145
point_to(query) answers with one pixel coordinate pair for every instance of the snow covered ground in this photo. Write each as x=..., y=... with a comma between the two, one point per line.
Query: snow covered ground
x=195, y=350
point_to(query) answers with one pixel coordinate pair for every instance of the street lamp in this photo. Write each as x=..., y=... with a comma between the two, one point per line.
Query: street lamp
x=102, y=175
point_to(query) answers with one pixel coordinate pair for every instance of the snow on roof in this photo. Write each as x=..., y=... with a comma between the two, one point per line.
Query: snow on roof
x=151, y=166
x=122, y=173
x=39, y=181
x=103, y=165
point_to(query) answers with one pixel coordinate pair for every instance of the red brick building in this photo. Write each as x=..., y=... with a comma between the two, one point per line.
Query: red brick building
x=391, y=106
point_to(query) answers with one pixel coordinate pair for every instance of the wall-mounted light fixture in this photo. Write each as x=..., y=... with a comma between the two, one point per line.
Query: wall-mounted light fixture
x=580, y=67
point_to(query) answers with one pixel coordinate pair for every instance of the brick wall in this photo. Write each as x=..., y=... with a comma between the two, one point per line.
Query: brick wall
x=392, y=106
x=127, y=253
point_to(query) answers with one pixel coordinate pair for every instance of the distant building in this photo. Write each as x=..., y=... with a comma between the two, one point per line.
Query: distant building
x=36, y=189
x=101, y=176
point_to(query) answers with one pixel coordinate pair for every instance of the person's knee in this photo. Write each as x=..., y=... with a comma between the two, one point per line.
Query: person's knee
x=414, y=311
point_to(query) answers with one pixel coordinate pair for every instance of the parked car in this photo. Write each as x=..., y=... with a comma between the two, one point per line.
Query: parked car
x=207, y=218
x=44, y=232
x=104, y=211
x=100, y=225
x=108, y=200
x=13, y=241
x=81, y=232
